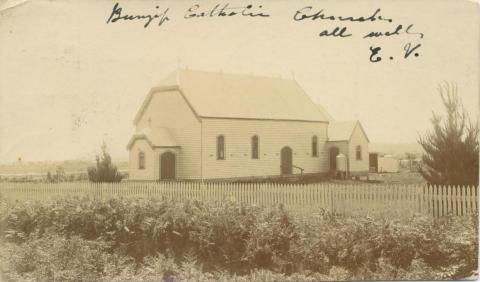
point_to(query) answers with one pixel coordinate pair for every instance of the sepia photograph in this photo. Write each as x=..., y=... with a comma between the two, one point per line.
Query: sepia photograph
x=274, y=140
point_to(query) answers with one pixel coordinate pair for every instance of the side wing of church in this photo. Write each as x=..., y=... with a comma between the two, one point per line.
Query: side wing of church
x=202, y=125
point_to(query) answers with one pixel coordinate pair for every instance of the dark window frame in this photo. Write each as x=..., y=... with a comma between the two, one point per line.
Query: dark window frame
x=221, y=147
x=255, y=147
x=141, y=160
x=358, y=153
x=315, y=146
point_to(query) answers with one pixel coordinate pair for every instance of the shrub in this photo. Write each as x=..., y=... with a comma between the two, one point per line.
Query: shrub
x=221, y=235
x=54, y=257
x=145, y=238
x=105, y=171
x=270, y=241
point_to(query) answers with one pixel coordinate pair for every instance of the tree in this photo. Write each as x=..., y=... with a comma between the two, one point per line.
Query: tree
x=105, y=171
x=451, y=148
x=60, y=175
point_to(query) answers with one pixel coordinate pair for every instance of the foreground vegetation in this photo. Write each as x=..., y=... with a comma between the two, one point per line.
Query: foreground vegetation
x=144, y=240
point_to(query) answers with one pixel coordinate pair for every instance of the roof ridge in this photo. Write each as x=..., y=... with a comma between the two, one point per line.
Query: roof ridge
x=230, y=95
x=254, y=75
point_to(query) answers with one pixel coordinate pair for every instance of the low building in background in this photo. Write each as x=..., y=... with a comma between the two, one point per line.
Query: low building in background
x=388, y=163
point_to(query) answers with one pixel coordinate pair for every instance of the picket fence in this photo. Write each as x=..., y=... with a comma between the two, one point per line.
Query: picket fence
x=373, y=199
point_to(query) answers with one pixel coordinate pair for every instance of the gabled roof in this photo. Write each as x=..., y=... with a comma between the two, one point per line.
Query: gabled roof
x=222, y=95
x=159, y=137
x=343, y=130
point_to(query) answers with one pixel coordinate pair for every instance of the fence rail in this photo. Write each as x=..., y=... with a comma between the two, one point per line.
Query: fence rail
x=343, y=199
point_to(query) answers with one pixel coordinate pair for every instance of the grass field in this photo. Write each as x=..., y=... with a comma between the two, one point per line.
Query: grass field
x=37, y=171
x=71, y=170
x=403, y=177
x=69, y=166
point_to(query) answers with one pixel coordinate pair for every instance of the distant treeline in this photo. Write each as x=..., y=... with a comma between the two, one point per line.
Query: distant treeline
x=43, y=167
x=54, y=176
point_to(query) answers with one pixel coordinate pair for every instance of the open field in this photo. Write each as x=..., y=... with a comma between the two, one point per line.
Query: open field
x=396, y=149
x=76, y=171
x=42, y=168
x=404, y=176
x=70, y=170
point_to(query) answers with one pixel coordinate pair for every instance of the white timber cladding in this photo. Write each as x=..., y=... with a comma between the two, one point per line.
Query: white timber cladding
x=168, y=109
x=358, y=138
x=148, y=173
x=188, y=111
x=273, y=135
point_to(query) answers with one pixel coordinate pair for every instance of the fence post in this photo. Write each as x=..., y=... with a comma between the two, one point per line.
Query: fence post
x=435, y=201
x=468, y=200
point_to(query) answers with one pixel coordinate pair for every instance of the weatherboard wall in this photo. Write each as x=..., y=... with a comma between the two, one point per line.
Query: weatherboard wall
x=358, y=138
x=273, y=136
x=150, y=164
x=169, y=109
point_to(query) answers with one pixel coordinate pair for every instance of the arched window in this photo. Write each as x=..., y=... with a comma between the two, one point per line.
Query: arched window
x=254, y=147
x=220, y=147
x=141, y=160
x=358, y=153
x=314, y=146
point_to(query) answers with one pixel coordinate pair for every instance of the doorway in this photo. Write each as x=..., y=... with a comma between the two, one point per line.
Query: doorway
x=167, y=166
x=286, y=160
x=373, y=162
x=333, y=158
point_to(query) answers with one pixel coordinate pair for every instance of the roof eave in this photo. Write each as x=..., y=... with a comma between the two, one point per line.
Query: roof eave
x=269, y=119
x=147, y=100
x=137, y=137
x=357, y=123
x=150, y=143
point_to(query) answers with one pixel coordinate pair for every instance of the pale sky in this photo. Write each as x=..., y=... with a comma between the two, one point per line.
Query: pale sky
x=68, y=80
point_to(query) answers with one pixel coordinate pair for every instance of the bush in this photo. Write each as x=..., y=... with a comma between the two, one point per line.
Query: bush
x=54, y=257
x=145, y=238
x=105, y=171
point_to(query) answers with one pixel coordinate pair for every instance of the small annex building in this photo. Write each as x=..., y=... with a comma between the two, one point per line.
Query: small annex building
x=204, y=125
x=349, y=138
